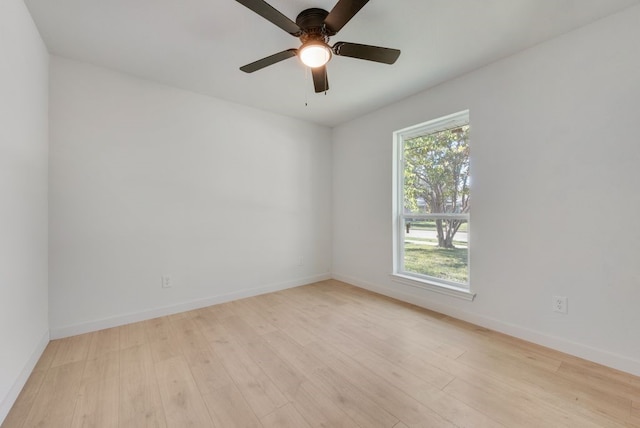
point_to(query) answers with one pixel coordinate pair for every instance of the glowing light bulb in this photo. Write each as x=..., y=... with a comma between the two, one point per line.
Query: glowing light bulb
x=315, y=54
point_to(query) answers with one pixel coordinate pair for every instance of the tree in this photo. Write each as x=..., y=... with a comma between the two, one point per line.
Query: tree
x=436, y=170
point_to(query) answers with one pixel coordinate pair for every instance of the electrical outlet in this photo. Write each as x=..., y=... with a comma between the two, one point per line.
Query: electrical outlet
x=166, y=281
x=560, y=304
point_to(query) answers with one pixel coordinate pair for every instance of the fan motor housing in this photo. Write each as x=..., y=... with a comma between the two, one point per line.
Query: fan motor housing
x=312, y=22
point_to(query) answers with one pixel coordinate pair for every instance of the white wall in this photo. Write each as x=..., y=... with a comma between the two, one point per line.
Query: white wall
x=148, y=180
x=555, y=154
x=23, y=198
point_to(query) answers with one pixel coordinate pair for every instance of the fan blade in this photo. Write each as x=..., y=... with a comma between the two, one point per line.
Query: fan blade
x=342, y=13
x=320, y=81
x=370, y=53
x=269, y=13
x=270, y=60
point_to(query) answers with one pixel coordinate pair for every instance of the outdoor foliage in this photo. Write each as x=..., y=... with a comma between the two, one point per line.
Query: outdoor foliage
x=436, y=171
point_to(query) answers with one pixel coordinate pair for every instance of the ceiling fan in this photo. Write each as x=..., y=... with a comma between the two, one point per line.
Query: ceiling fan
x=314, y=27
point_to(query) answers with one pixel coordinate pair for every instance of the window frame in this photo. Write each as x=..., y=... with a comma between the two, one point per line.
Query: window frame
x=399, y=274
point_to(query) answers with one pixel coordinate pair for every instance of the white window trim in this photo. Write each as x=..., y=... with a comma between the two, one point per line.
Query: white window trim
x=435, y=286
x=399, y=275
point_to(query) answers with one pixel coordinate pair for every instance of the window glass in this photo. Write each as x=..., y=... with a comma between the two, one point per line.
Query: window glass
x=434, y=201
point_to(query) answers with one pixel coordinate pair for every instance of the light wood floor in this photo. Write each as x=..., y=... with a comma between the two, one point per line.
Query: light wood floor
x=324, y=355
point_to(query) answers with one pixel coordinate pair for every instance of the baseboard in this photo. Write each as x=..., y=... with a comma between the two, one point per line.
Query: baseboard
x=606, y=358
x=118, y=320
x=11, y=397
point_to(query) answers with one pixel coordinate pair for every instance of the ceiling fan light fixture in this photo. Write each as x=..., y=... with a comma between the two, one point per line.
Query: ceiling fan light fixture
x=314, y=27
x=315, y=54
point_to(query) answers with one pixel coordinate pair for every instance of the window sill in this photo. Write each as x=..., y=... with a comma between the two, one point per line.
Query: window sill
x=436, y=287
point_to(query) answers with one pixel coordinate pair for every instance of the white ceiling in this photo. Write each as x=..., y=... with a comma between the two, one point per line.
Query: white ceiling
x=198, y=45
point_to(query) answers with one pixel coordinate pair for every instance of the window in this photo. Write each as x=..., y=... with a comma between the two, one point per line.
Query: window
x=431, y=205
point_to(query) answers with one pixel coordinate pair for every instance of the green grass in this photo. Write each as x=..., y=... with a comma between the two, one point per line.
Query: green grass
x=444, y=263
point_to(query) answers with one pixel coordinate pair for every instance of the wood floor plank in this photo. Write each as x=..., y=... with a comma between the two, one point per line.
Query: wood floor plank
x=429, y=394
x=528, y=356
x=206, y=367
x=253, y=318
x=306, y=361
x=209, y=373
x=354, y=402
x=140, y=404
x=56, y=399
x=286, y=377
x=421, y=365
x=219, y=312
x=385, y=394
x=534, y=384
x=538, y=384
x=607, y=380
x=97, y=403
x=516, y=412
x=301, y=299
x=634, y=419
x=271, y=299
x=323, y=355
x=330, y=300
x=104, y=342
x=393, y=349
x=189, y=340
x=293, y=353
x=228, y=408
x=162, y=342
x=519, y=408
x=132, y=335
x=183, y=405
x=591, y=369
x=422, y=358
x=280, y=316
x=48, y=356
x=103, y=366
x=157, y=329
x=210, y=319
x=381, y=313
x=260, y=392
x=72, y=349
x=326, y=330
x=20, y=410
x=284, y=417
x=399, y=375
x=388, y=321
x=551, y=387
x=318, y=409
